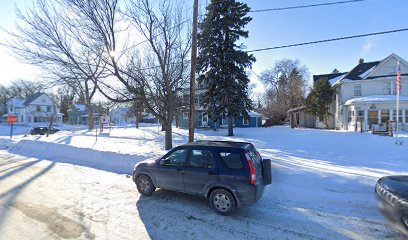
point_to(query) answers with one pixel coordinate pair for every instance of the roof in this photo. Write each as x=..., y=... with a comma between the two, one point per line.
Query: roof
x=79, y=106
x=327, y=76
x=361, y=70
x=254, y=114
x=32, y=97
x=297, y=109
x=376, y=99
x=218, y=144
x=17, y=102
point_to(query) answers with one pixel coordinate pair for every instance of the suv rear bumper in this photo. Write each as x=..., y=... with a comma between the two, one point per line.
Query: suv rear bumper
x=251, y=194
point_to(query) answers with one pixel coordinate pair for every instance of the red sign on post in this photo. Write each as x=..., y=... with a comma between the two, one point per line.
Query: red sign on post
x=11, y=119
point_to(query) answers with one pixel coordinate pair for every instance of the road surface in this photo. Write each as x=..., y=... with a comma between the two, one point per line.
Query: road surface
x=41, y=199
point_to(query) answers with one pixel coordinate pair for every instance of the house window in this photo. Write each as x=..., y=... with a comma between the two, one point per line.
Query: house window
x=385, y=116
x=406, y=116
x=373, y=117
x=38, y=109
x=48, y=108
x=395, y=115
x=394, y=87
x=350, y=116
x=387, y=88
x=360, y=116
x=245, y=121
x=357, y=89
x=11, y=109
x=185, y=115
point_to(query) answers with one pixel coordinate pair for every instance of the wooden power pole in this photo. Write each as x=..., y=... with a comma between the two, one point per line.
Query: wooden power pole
x=192, y=76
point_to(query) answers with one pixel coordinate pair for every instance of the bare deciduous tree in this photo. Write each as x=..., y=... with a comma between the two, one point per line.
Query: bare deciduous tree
x=286, y=82
x=151, y=72
x=49, y=35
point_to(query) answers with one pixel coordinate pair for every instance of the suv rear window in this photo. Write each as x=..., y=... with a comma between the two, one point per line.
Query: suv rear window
x=253, y=154
x=232, y=160
x=201, y=159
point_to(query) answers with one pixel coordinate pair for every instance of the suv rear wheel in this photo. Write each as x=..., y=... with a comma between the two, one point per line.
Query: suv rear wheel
x=145, y=185
x=222, y=201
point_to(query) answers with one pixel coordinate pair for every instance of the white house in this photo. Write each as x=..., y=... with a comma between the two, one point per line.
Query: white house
x=121, y=116
x=367, y=95
x=36, y=109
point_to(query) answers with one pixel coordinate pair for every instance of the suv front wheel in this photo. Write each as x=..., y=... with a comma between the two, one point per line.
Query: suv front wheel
x=145, y=185
x=222, y=201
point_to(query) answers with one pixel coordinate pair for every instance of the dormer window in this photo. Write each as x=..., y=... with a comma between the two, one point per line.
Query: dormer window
x=357, y=89
x=38, y=108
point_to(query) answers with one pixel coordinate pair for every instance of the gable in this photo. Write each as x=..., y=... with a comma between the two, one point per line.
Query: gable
x=40, y=99
x=388, y=67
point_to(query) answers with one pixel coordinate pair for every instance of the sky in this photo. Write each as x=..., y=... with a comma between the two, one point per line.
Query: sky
x=270, y=29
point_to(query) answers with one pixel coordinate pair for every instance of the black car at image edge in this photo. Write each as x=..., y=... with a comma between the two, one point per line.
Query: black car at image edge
x=392, y=194
x=228, y=174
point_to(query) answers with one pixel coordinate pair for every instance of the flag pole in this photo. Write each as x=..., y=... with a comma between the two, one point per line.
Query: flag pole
x=398, y=85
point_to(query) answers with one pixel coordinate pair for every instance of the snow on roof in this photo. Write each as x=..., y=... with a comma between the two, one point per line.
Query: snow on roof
x=80, y=107
x=366, y=73
x=376, y=99
x=335, y=80
x=254, y=114
x=17, y=102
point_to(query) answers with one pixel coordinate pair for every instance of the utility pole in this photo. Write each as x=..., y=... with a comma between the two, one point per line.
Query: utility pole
x=192, y=76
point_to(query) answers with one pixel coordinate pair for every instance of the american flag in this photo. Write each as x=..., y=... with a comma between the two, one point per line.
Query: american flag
x=399, y=78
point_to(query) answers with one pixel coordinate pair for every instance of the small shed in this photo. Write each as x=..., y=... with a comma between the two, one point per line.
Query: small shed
x=299, y=118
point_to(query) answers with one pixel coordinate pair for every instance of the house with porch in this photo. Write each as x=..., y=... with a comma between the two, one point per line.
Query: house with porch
x=79, y=115
x=201, y=119
x=36, y=109
x=365, y=97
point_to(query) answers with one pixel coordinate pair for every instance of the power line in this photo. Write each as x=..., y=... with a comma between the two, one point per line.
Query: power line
x=297, y=44
x=263, y=10
x=329, y=40
x=305, y=6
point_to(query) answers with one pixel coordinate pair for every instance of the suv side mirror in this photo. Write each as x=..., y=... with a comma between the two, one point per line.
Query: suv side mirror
x=164, y=162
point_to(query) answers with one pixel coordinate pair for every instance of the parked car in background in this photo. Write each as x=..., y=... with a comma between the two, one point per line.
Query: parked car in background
x=43, y=130
x=228, y=174
x=392, y=193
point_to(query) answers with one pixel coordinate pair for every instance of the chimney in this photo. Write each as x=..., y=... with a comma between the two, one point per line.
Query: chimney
x=361, y=61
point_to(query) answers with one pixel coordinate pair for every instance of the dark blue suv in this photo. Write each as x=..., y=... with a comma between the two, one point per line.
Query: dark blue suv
x=228, y=174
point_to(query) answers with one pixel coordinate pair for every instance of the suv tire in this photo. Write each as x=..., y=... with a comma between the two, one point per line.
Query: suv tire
x=145, y=185
x=222, y=201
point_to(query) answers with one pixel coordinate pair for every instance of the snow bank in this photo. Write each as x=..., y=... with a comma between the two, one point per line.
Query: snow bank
x=107, y=161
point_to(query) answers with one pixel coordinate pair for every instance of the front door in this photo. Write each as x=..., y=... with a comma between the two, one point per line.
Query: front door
x=169, y=174
x=204, y=119
x=200, y=171
x=373, y=117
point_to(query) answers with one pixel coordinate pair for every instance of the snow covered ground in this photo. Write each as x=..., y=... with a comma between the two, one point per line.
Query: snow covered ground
x=71, y=186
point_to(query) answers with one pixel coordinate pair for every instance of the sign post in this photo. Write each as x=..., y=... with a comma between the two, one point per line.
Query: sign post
x=11, y=120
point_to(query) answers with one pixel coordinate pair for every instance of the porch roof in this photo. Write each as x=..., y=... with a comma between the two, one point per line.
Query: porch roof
x=376, y=99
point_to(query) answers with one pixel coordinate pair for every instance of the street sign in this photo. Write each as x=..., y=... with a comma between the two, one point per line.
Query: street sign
x=11, y=119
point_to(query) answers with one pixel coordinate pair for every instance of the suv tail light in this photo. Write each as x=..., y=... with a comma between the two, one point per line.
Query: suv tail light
x=252, y=178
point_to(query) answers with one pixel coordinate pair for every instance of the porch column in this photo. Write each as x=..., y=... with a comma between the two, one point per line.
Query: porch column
x=355, y=119
x=391, y=114
x=366, y=120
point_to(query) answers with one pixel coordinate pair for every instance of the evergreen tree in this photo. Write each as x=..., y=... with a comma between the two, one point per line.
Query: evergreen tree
x=221, y=62
x=319, y=100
